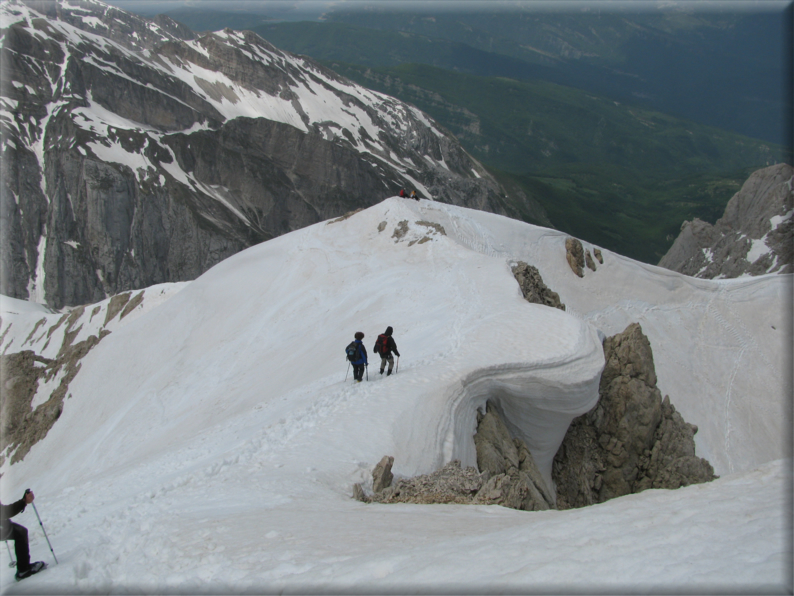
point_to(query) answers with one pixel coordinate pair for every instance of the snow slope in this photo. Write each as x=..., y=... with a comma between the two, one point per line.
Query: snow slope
x=211, y=443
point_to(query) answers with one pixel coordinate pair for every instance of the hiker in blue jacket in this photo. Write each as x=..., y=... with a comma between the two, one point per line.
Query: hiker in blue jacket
x=360, y=362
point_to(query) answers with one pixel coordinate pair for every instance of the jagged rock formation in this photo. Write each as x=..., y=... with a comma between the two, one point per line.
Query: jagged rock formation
x=754, y=236
x=381, y=475
x=135, y=153
x=533, y=288
x=632, y=440
x=578, y=257
x=574, y=254
x=513, y=478
x=508, y=475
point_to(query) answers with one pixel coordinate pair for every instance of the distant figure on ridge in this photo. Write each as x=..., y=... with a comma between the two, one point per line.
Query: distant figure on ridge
x=19, y=534
x=384, y=346
x=414, y=195
x=357, y=354
x=402, y=193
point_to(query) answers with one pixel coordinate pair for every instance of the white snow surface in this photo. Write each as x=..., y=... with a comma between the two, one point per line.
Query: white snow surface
x=211, y=441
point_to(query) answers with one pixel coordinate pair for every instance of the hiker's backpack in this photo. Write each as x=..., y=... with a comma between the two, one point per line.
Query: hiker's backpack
x=381, y=344
x=351, y=350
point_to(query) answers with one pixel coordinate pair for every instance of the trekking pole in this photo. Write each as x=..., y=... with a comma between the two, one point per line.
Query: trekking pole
x=366, y=368
x=348, y=369
x=396, y=368
x=13, y=563
x=42, y=529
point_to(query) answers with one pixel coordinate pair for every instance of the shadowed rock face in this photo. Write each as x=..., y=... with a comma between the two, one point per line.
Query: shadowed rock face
x=120, y=169
x=754, y=236
x=632, y=440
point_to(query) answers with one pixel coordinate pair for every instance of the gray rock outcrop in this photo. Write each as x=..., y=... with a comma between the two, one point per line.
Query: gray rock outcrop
x=533, y=288
x=22, y=425
x=632, y=440
x=507, y=475
x=381, y=475
x=589, y=261
x=450, y=484
x=754, y=236
x=513, y=478
x=574, y=254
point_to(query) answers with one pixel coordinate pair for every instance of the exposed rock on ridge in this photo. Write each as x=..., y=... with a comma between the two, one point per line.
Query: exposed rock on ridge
x=533, y=288
x=21, y=425
x=632, y=440
x=754, y=236
x=508, y=475
x=578, y=257
x=38, y=361
x=574, y=254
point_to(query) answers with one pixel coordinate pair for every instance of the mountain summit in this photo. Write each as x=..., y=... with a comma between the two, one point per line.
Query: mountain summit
x=136, y=153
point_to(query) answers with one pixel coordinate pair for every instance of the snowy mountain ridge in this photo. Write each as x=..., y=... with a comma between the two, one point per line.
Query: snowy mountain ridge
x=214, y=441
x=135, y=153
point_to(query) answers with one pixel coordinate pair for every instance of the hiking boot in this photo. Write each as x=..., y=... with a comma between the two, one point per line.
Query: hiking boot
x=388, y=373
x=34, y=568
x=381, y=371
x=358, y=380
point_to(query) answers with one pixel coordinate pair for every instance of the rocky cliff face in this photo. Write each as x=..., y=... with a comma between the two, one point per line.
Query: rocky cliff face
x=754, y=236
x=134, y=153
x=632, y=440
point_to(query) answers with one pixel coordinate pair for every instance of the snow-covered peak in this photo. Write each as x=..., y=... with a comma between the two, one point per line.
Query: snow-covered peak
x=231, y=140
x=96, y=18
x=231, y=73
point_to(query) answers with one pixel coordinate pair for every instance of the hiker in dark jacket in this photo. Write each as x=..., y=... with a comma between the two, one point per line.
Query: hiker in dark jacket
x=360, y=363
x=19, y=534
x=385, y=346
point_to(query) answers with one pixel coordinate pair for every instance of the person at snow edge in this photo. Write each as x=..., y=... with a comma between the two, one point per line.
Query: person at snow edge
x=359, y=357
x=384, y=346
x=19, y=534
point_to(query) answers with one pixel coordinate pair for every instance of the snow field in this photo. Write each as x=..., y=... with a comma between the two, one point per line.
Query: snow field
x=211, y=443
